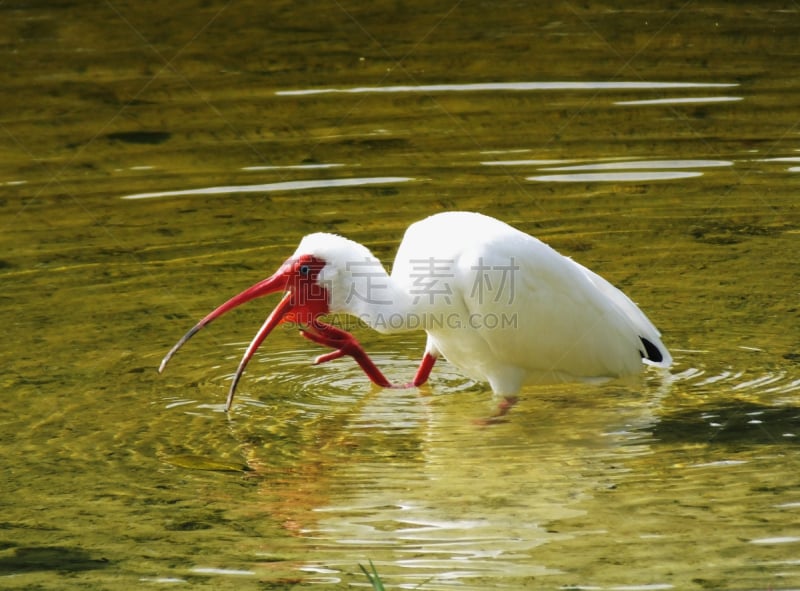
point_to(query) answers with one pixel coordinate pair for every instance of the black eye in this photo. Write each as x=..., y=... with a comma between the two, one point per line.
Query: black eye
x=304, y=269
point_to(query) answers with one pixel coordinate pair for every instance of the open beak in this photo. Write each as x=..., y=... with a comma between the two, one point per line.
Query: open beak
x=283, y=311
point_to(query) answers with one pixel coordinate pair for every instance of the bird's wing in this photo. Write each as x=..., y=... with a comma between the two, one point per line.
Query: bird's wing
x=645, y=328
x=560, y=318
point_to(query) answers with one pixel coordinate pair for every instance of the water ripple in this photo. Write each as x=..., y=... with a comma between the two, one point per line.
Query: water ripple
x=769, y=383
x=503, y=87
x=644, y=164
x=271, y=187
x=628, y=170
x=615, y=176
x=684, y=100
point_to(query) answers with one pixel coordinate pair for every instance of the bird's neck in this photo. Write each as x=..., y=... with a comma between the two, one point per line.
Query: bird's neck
x=370, y=294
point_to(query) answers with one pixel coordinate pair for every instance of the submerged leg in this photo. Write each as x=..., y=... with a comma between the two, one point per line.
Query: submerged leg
x=505, y=405
x=502, y=410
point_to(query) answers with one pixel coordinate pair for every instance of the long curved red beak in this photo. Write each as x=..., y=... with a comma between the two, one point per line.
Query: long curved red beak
x=283, y=311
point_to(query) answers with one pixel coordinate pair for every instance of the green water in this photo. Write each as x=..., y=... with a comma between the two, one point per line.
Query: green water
x=116, y=477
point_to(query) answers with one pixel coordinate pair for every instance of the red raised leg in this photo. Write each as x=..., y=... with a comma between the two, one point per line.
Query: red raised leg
x=345, y=345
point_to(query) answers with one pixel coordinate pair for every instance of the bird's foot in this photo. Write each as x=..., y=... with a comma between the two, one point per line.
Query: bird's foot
x=499, y=415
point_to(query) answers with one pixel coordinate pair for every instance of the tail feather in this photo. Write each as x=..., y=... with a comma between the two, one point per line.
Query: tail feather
x=655, y=354
x=651, y=352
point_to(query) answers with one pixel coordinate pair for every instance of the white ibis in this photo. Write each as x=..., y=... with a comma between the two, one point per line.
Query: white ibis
x=500, y=305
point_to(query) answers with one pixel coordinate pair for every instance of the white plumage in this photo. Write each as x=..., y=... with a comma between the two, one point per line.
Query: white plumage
x=546, y=319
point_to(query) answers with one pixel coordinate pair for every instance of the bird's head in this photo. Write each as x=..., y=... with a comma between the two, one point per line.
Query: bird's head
x=317, y=279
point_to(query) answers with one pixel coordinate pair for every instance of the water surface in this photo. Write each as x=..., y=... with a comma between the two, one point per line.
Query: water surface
x=158, y=159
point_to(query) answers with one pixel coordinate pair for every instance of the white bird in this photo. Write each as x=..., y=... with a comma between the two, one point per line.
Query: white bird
x=500, y=305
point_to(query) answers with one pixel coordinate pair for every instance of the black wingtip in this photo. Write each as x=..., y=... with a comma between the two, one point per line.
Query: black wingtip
x=651, y=352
